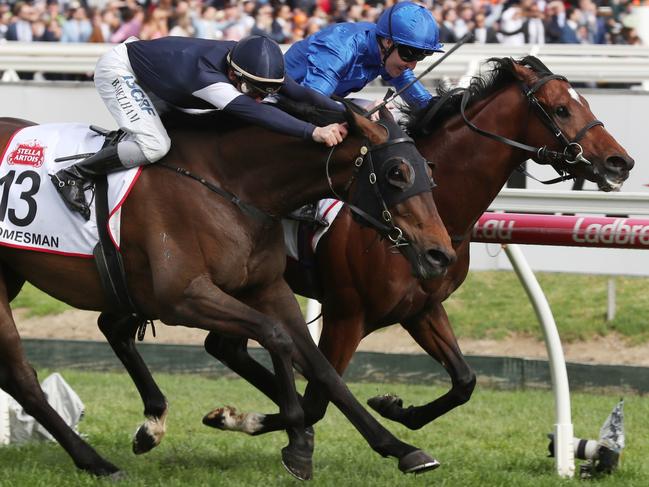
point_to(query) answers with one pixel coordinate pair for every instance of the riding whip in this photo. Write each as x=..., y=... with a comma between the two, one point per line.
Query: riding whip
x=467, y=37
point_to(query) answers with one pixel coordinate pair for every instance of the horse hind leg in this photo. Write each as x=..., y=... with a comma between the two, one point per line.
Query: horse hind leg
x=120, y=331
x=18, y=378
x=233, y=353
x=433, y=332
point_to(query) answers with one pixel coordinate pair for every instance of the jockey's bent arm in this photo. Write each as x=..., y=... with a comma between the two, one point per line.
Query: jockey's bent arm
x=416, y=95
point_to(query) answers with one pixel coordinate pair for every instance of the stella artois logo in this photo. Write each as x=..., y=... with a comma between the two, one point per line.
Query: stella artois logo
x=28, y=154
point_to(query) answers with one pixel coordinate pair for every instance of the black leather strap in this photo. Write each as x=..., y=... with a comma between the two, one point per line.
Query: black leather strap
x=107, y=257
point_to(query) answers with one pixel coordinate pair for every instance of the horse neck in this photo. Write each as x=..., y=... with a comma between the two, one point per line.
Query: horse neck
x=278, y=174
x=472, y=169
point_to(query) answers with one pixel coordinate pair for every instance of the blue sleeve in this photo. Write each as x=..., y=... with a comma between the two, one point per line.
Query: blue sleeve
x=326, y=65
x=299, y=93
x=416, y=96
x=269, y=117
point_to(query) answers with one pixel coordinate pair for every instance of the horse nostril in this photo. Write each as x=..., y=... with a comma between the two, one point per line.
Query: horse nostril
x=619, y=163
x=438, y=258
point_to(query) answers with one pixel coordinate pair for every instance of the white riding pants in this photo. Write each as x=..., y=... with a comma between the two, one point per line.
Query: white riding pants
x=129, y=104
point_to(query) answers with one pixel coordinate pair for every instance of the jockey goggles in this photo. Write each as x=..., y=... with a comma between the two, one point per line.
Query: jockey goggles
x=410, y=54
x=259, y=89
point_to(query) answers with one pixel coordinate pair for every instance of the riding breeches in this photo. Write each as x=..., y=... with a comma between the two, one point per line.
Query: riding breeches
x=129, y=103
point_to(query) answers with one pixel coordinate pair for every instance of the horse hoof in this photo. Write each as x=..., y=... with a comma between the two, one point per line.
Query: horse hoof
x=385, y=403
x=143, y=442
x=215, y=419
x=417, y=461
x=299, y=466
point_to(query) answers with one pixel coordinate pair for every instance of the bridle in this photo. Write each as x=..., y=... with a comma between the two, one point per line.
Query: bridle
x=572, y=153
x=385, y=225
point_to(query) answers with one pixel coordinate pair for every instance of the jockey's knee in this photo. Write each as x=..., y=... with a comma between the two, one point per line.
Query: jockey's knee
x=153, y=152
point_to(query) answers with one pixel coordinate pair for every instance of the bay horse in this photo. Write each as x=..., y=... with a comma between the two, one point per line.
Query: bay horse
x=207, y=251
x=476, y=137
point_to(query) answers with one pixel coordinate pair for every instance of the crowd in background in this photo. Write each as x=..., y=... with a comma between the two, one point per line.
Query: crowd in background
x=510, y=22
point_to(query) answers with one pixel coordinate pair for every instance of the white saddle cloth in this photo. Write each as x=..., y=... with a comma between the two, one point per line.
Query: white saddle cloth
x=32, y=214
x=328, y=210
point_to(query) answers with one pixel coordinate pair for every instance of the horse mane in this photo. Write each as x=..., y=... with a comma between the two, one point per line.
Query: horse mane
x=498, y=77
x=218, y=121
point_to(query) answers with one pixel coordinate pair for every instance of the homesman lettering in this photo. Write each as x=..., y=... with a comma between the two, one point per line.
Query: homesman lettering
x=29, y=238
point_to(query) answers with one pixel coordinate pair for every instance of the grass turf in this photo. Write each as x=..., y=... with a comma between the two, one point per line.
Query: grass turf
x=497, y=439
x=493, y=304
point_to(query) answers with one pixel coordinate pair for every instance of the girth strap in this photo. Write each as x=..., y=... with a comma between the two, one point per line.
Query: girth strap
x=107, y=257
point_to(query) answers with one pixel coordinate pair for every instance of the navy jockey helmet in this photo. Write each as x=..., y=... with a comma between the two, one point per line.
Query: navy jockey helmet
x=259, y=63
x=412, y=29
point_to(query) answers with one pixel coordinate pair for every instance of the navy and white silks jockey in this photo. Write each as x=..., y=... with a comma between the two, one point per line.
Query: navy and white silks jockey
x=187, y=74
x=138, y=79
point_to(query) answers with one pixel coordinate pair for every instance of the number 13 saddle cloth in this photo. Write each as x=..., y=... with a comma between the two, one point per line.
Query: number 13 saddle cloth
x=32, y=214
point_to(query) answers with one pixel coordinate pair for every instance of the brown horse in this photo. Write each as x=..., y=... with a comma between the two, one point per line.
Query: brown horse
x=365, y=289
x=195, y=258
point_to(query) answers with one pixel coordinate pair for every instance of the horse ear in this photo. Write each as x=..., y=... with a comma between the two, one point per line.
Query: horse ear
x=523, y=73
x=385, y=114
x=377, y=134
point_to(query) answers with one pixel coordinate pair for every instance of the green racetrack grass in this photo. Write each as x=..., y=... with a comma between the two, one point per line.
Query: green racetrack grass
x=497, y=439
x=493, y=305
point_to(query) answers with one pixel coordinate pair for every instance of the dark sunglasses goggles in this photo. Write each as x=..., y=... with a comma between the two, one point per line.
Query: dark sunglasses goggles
x=259, y=89
x=409, y=54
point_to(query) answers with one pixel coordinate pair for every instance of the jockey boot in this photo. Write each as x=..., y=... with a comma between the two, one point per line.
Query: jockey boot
x=309, y=214
x=72, y=181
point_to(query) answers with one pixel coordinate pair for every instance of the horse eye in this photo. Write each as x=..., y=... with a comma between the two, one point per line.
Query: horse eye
x=562, y=111
x=395, y=173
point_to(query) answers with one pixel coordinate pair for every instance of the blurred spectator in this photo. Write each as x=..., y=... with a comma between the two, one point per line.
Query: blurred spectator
x=483, y=34
x=131, y=25
x=183, y=27
x=155, y=24
x=206, y=26
x=522, y=22
x=236, y=27
x=77, y=27
x=20, y=28
x=283, y=24
x=287, y=21
x=447, y=27
x=465, y=23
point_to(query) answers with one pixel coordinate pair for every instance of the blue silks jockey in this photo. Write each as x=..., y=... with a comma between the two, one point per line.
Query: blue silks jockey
x=343, y=58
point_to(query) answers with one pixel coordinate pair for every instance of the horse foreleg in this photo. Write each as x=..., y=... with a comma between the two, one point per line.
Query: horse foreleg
x=338, y=342
x=120, y=331
x=319, y=371
x=18, y=378
x=202, y=304
x=433, y=332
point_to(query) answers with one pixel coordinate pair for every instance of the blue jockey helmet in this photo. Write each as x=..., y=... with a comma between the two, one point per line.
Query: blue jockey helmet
x=259, y=61
x=410, y=24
